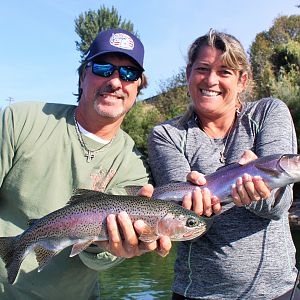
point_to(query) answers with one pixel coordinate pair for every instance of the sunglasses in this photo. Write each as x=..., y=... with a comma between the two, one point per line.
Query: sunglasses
x=106, y=70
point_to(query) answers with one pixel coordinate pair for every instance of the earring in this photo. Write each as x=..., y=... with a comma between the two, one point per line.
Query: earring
x=239, y=104
x=239, y=99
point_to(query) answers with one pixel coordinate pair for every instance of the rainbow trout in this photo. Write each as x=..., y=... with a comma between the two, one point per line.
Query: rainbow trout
x=83, y=221
x=276, y=171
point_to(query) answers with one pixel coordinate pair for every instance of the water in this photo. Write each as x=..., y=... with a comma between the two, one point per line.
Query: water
x=148, y=277
x=145, y=277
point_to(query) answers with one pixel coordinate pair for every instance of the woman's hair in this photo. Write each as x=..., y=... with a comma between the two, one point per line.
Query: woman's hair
x=234, y=57
x=81, y=70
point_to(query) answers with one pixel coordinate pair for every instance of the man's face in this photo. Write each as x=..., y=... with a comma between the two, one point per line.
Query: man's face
x=109, y=97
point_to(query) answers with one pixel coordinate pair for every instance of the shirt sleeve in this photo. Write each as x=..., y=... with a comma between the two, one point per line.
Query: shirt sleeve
x=7, y=143
x=166, y=155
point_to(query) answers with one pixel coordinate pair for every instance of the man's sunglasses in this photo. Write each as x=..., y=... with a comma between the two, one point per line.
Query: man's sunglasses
x=106, y=70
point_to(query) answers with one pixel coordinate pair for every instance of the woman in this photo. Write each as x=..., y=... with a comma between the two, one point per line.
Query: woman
x=248, y=253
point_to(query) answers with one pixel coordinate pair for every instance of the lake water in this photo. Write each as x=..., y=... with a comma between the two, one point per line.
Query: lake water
x=147, y=277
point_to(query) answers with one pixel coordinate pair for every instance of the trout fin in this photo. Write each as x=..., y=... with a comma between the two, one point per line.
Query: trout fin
x=132, y=190
x=7, y=245
x=31, y=222
x=80, y=194
x=12, y=259
x=148, y=235
x=43, y=256
x=79, y=247
x=271, y=172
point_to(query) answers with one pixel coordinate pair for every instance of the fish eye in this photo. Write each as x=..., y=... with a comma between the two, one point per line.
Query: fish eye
x=192, y=222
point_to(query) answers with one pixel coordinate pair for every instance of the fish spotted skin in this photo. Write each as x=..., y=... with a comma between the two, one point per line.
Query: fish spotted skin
x=83, y=221
x=276, y=170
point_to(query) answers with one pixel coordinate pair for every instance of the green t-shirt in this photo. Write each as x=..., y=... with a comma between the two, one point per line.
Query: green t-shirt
x=42, y=163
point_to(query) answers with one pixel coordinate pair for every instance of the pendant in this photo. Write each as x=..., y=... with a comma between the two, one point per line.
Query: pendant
x=89, y=156
x=222, y=158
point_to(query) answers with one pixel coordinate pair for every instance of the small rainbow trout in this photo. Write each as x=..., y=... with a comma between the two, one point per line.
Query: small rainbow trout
x=83, y=221
x=276, y=170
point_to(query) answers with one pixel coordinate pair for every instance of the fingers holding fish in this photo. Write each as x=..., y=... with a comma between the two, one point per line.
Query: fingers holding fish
x=194, y=201
x=248, y=189
x=196, y=178
x=122, y=247
x=202, y=202
x=262, y=189
x=130, y=243
x=206, y=199
x=211, y=203
x=164, y=246
x=247, y=156
x=187, y=201
x=235, y=196
x=146, y=190
x=216, y=205
x=239, y=193
x=144, y=247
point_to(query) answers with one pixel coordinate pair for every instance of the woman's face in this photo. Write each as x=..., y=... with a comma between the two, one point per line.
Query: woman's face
x=213, y=86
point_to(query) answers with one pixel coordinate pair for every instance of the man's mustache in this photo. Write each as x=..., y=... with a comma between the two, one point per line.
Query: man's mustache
x=110, y=90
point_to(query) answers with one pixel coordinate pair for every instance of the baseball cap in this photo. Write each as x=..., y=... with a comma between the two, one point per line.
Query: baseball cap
x=118, y=41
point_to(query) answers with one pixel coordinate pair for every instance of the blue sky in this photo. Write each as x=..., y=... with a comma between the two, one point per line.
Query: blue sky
x=38, y=56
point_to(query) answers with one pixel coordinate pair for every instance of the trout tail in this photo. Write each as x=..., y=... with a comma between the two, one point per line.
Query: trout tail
x=11, y=259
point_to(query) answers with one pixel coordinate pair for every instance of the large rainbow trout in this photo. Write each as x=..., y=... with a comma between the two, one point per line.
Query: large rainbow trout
x=83, y=221
x=276, y=171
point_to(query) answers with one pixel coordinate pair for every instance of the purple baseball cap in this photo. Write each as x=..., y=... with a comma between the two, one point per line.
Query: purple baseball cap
x=118, y=41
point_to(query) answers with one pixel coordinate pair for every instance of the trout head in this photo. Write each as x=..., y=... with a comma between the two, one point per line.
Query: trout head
x=182, y=226
x=279, y=170
x=290, y=164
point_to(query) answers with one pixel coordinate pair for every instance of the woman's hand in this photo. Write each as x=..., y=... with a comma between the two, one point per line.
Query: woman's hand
x=247, y=188
x=200, y=200
x=130, y=245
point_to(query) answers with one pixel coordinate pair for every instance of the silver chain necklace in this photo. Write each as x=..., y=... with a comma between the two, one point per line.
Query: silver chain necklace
x=222, y=157
x=89, y=154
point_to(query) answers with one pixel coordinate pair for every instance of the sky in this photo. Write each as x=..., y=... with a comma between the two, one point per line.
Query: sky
x=39, y=59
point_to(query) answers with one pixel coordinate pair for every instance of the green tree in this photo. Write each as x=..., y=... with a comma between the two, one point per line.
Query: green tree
x=173, y=99
x=275, y=58
x=139, y=121
x=274, y=54
x=89, y=23
x=144, y=115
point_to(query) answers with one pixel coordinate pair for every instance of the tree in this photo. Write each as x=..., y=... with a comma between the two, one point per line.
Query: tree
x=275, y=53
x=171, y=102
x=89, y=23
x=173, y=99
x=139, y=121
x=275, y=58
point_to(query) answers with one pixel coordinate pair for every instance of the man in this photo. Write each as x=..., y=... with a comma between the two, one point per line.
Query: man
x=48, y=150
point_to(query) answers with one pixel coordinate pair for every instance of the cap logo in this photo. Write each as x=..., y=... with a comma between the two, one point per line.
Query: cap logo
x=121, y=40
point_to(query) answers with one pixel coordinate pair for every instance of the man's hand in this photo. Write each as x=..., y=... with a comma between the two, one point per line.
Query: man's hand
x=131, y=246
x=247, y=188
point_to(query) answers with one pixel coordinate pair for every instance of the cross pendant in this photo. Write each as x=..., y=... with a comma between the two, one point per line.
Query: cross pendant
x=89, y=156
x=222, y=158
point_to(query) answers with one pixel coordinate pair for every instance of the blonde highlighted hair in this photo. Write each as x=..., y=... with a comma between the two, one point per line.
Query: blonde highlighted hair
x=233, y=56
